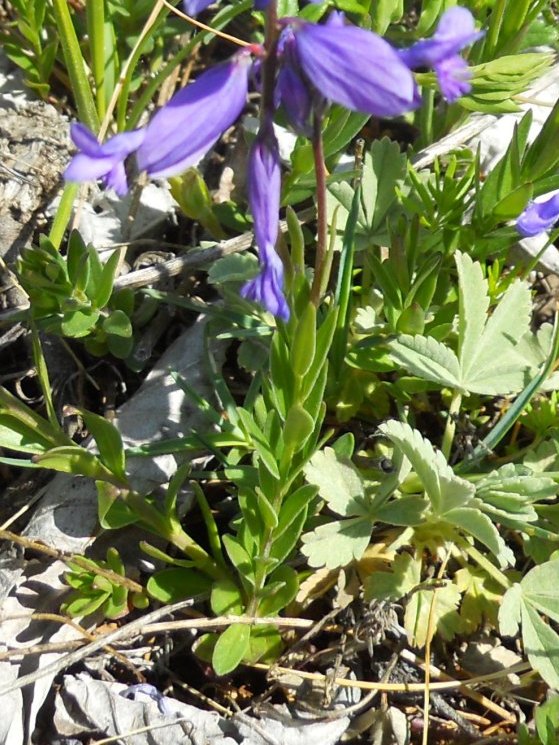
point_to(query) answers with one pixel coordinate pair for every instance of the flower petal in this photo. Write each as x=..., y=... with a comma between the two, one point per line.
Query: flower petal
x=183, y=130
x=456, y=29
x=264, y=187
x=193, y=7
x=266, y=290
x=538, y=217
x=84, y=167
x=453, y=75
x=84, y=139
x=292, y=91
x=355, y=68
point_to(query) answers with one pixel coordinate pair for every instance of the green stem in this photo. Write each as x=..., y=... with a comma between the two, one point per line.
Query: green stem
x=322, y=216
x=426, y=116
x=450, y=428
x=172, y=532
x=63, y=214
x=95, y=10
x=485, y=564
x=43, y=375
x=75, y=65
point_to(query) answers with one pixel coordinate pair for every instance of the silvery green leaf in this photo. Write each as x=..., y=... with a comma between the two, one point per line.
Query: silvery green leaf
x=338, y=481
x=509, y=612
x=541, y=643
x=337, y=543
x=510, y=491
x=478, y=525
x=427, y=358
x=473, y=306
x=445, y=490
x=540, y=588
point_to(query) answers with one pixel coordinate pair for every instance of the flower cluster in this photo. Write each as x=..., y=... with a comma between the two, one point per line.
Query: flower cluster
x=316, y=65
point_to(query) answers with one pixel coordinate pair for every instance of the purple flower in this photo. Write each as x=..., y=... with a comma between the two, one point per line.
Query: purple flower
x=292, y=91
x=183, y=130
x=538, y=217
x=102, y=161
x=354, y=67
x=193, y=7
x=179, y=134
x=264, y=187
x=456, y=30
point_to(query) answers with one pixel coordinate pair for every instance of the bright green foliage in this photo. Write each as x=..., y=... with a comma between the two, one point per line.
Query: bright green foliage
x=73, y=296
x=98, y=589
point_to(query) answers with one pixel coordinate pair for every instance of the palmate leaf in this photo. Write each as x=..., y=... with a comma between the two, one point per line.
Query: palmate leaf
x=337, y=543
x=509, y=492
x=338, y=482
x=490, y=356
x=445, y=490
x=538, y=592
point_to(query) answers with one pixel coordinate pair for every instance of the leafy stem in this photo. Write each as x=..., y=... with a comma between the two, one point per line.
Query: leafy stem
x=450, y=429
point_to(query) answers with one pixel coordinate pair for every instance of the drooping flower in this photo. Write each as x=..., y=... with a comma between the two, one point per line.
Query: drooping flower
x=102, y=161
x=455, y=30
x=353, y=67
x=292, y=91
x=183, y=130
x=264, y=188
x=539, y=217
x=177, y=137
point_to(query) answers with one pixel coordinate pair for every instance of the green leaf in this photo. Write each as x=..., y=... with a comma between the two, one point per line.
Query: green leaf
x=239, y=557
x=120, y=339
x=265, y=645
x=489, y=350
x=540, y=588
x=445, y=490
x=478, y=525
x=74, y=459
x=233, y=268
x=104, y=288
x=267, y=512
x=299, y=426
x=541, y=643
x=338, y=482
x=304, y=342
x=509, y=492
x=349, y=537
x=226, y=598
x=427, y=358
x=231, y=648
x=175, y=583
x=403, y=511
x=404, y=575
x=113, y=512
x=510, y=611
x=79, y=323
x=109, y=442
x=293, y=505
x=286, y=584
